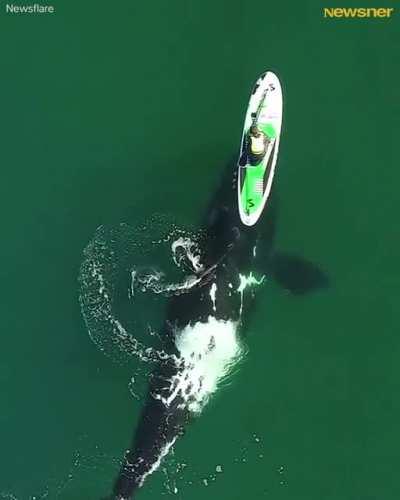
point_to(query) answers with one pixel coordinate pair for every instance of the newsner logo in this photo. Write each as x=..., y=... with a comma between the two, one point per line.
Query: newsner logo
x=359, y=12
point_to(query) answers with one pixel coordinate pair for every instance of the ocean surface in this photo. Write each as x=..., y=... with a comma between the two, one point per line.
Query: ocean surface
x=113, y=112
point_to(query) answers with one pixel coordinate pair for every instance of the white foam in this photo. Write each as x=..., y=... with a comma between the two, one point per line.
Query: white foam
x=208, y=352
x=191, y=251
x=164, y=452
x=99, y=279
x=155, y=282
x=213, y=292
x=246, y=281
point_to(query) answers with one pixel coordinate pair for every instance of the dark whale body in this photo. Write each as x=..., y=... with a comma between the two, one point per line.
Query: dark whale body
x=228, y=251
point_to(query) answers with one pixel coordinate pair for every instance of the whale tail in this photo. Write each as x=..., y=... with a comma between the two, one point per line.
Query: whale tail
x=158, y=431
x=160, y=424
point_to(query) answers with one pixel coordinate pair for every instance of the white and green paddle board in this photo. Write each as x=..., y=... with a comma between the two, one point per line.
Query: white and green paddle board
x=255, y=176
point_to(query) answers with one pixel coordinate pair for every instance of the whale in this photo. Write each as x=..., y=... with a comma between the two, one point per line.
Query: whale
x=209, y=317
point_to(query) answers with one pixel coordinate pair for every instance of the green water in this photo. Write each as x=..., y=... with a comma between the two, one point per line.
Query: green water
x=113, y=111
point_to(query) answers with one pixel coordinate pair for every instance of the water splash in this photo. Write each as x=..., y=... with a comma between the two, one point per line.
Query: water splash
x=156, y=282
x=208, y=351
x=123, y=254
x=186, y=251
x=213, y=293
x=245, y=282
x=164, y=452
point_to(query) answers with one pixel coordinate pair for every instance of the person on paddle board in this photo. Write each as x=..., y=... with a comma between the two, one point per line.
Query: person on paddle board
x=257, y=143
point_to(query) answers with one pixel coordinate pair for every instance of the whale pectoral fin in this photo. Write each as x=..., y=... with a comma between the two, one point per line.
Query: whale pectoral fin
x=296, y=274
